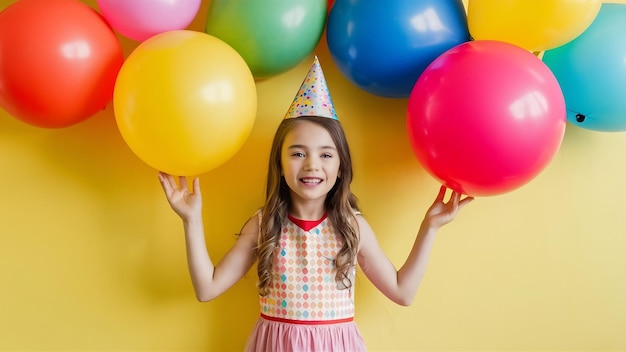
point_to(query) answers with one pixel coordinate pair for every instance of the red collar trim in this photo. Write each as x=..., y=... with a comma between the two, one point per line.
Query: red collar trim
x=307, y=225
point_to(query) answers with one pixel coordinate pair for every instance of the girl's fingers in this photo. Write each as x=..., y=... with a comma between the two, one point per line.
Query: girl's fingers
x=442, y=193
x=465, y=201
x=454, y=199
x=165, y=182
x=196, y=185
x=172, y=182
x=183, y=183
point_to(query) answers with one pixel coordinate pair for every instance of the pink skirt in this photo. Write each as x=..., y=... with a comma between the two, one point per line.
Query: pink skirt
x=278, y=336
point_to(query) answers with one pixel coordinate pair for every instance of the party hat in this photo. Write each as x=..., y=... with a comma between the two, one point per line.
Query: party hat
x=313, y=98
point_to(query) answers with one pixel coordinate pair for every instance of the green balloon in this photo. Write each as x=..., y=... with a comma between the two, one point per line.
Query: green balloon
x=272, y=36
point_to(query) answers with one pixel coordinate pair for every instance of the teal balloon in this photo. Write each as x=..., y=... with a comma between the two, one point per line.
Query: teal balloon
x=591, y=71
x=272, y=36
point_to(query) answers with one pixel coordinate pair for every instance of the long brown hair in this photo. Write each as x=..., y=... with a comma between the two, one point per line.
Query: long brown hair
x=340, y=204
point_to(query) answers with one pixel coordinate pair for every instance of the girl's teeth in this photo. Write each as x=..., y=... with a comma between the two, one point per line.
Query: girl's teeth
x=311, y=180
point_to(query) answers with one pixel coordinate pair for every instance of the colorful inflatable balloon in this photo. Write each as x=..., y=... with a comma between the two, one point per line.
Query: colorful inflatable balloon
x=58, y=62
x=533, y=25
x=185, y=102
x=271, y=36
x=382, y=47
x=139, y=20
x=486, y=117
x=591, y=70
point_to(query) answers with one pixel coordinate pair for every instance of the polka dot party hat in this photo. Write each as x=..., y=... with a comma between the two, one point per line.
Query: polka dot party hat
x=313, y=98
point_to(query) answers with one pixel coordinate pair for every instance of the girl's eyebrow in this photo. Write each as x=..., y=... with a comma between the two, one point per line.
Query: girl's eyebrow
x=301, y=146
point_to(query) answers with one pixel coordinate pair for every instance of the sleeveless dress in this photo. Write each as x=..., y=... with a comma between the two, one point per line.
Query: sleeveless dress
x=306, y=309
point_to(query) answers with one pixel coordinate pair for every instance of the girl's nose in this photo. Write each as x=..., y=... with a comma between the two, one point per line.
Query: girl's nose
x=311, y=164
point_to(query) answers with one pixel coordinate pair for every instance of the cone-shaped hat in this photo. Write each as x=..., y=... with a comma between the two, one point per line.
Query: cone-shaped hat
x=313, y=98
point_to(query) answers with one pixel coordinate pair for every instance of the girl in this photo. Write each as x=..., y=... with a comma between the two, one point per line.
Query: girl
x=307, y=239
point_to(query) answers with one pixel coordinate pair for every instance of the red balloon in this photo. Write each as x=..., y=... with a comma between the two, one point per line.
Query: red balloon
x=58, y=62
x=486, y=117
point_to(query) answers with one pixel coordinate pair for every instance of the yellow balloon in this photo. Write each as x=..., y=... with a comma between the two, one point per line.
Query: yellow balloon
x=184, y=102
x=535, y=25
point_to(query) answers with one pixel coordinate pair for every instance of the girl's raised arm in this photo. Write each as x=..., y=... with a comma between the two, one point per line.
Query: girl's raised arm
x=209, y=280
x=401, y=285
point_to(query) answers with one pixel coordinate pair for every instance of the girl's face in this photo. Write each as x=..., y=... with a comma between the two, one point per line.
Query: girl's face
x=310, y=162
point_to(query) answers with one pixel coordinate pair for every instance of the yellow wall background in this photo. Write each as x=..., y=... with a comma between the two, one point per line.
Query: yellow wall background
x=92, y=258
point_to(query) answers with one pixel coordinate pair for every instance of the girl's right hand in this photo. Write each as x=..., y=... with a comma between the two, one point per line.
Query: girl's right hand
x=186, y=204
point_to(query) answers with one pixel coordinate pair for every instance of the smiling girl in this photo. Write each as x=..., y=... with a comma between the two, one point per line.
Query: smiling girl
x=308, y=237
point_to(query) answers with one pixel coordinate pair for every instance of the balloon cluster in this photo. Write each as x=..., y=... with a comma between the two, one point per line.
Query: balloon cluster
x=488, y=115
x=485, y=113
x=184, y=101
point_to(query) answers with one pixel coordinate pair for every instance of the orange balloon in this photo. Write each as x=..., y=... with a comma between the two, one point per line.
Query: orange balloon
x=58, y=62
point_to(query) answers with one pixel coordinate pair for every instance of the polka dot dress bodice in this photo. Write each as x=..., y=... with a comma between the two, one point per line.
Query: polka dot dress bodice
x=305, y=288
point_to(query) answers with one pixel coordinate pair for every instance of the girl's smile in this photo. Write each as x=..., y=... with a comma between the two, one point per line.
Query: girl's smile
x=311, y=181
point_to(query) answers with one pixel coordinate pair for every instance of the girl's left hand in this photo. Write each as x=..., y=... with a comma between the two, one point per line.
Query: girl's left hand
x=441, y=212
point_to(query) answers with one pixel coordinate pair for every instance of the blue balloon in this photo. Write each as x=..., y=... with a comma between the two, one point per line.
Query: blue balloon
x=591, y=71
x=384, y=46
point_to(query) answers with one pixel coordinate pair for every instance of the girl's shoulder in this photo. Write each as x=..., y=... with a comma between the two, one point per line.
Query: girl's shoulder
x=253, y=224
x=360, y=218
x=258, y=214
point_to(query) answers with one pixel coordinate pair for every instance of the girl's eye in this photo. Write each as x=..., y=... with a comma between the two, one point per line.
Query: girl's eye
x=327, y=155
x=298, y=154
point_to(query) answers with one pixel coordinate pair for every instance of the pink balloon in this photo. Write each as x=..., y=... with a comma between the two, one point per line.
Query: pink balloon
x=486, y=117
x=141, y=19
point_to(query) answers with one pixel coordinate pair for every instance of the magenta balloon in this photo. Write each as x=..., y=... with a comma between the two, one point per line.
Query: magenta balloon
x=141, y=19
x=486, y=117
